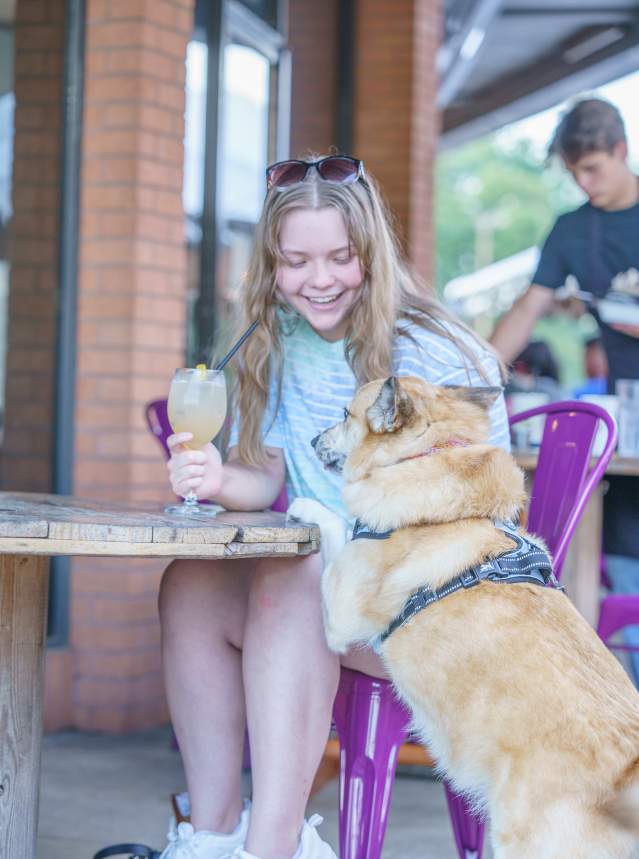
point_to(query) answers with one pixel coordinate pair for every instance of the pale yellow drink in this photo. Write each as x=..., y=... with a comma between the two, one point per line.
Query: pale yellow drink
x=197, y=404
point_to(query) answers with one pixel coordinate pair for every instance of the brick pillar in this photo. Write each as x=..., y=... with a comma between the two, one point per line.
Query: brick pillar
x=33, y=247
x=313, y=39
x=396, y=122
x=131, y=333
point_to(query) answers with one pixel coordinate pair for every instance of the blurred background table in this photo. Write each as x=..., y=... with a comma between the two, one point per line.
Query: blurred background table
x=582, y=569
x=35, y=527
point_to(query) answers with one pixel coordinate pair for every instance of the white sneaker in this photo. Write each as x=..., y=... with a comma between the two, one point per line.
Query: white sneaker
x=311, y=845
x=187, y=843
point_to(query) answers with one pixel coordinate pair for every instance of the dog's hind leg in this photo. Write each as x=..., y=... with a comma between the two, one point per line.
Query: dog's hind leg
x=568, y=835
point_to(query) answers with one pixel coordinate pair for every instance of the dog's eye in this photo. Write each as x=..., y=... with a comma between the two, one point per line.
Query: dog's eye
x=347, y=414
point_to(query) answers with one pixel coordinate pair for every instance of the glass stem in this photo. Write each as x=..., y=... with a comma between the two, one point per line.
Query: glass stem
x=190, y=500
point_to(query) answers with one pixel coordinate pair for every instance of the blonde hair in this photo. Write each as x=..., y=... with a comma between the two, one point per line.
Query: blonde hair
x=390, y=292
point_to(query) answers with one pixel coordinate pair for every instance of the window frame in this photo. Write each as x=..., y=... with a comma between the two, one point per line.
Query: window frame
x=231, y=22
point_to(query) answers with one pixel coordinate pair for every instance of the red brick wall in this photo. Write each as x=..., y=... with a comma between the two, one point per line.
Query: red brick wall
x=425, y=134
x=131, y=313
x=33, y=247
x=131, y=334
x=395, y=118
x=313, y=40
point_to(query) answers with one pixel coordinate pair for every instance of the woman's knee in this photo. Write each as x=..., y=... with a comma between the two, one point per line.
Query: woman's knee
x=284, y=580
x=187, y=584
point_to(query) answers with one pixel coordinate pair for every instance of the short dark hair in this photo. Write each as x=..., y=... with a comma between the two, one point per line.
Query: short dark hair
x=592, y=125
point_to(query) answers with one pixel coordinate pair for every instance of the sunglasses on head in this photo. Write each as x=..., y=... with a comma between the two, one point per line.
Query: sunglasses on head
x=341, y=169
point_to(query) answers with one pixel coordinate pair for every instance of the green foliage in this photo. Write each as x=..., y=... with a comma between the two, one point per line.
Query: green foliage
x=493, y=200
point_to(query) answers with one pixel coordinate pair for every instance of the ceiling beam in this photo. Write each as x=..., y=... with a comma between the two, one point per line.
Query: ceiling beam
x=588, y=12
x=539, y=86
x=457, y=57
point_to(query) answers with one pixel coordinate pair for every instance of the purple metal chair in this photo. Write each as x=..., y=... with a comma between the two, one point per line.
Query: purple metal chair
x=371, y=722
x=157, y=420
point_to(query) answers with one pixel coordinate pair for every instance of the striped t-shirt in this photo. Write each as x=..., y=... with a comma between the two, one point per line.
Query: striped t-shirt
x=317, y=384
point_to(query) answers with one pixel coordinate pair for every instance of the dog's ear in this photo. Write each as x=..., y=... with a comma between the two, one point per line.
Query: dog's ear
x=481, y=396
x=392, y=409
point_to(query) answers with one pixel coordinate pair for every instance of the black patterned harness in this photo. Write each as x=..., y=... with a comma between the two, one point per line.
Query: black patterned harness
x=526, y=562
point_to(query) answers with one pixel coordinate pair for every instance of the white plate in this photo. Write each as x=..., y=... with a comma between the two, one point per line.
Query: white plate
x=618, y=312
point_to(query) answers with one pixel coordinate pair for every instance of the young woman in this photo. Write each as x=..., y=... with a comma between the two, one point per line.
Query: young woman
x=243, y=641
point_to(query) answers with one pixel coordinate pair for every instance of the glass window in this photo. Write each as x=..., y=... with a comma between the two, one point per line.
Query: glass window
x=231, y=135
x=243, y=157
x=194, y=180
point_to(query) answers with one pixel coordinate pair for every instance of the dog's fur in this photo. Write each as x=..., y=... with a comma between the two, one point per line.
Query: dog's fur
x=524, y=708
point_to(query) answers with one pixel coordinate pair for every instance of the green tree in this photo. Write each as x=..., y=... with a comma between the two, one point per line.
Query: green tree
x=493, y=200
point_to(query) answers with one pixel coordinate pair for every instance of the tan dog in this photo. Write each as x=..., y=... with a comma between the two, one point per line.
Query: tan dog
x=513, y=692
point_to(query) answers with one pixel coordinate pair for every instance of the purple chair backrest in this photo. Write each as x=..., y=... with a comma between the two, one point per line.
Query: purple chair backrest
x=563, y=479
x=157, y=420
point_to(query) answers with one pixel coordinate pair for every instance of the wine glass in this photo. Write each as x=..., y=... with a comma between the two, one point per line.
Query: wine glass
x=197, y=404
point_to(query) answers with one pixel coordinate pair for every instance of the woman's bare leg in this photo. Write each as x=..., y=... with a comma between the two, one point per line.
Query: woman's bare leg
x=203, y=612
x=290, y=679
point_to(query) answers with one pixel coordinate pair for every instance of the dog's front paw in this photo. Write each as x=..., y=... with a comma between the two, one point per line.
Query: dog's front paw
x=306, y=510
x=336, y=642
x=332, y=527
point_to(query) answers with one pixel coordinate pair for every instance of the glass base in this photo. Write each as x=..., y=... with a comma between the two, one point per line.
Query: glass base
x=188, y=508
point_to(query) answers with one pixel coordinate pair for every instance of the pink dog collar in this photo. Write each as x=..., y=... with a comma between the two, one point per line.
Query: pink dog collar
x=454, y=442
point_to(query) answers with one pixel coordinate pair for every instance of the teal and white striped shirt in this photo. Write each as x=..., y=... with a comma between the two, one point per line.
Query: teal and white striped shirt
x=317, y=383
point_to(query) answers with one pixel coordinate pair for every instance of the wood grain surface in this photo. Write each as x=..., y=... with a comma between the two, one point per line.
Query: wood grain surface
x=34, y=524
x=24, y=585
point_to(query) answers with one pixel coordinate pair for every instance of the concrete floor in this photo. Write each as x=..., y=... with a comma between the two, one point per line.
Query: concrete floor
x=99, y=789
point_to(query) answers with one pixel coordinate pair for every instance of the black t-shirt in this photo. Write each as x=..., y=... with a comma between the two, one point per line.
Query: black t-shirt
x=596, y=246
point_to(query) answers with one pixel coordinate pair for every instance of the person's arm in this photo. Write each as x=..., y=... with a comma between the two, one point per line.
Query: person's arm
x=514, y=328
x=630, y=330
x=232, y=484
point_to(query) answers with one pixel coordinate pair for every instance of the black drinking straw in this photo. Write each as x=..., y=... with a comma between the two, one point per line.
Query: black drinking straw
x=222, y=364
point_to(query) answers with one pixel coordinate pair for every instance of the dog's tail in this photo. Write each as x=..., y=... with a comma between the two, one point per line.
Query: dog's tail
x=624, y=807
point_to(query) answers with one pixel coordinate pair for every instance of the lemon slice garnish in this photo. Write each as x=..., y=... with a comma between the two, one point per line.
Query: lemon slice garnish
x=201, y=368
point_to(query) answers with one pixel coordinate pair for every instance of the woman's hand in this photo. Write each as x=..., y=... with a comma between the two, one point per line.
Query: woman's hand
x=200, y=471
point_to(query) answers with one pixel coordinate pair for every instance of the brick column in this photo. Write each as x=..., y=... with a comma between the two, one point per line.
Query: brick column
x=33, y=249
x=313, y=39
x=396, y=122
x=131, y=333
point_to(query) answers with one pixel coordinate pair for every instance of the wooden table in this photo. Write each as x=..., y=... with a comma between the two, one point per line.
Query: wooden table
x=35, y=527
x=581, y=573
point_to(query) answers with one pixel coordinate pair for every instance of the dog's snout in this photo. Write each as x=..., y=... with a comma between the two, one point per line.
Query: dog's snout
x=315, y=440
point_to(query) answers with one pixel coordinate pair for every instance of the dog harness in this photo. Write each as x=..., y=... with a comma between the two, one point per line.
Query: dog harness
x=526, y=562
x=361, y=532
